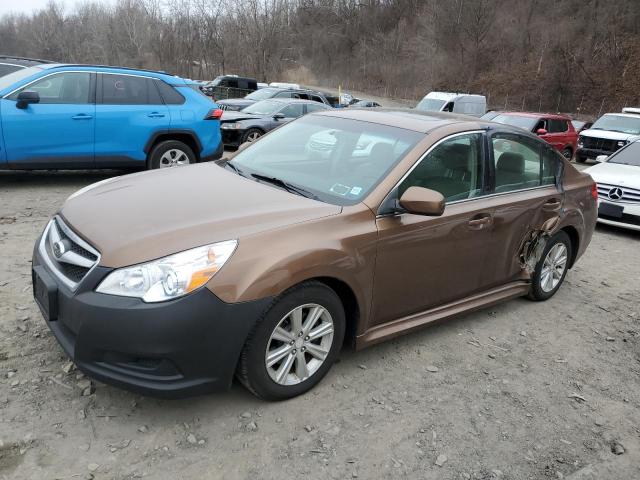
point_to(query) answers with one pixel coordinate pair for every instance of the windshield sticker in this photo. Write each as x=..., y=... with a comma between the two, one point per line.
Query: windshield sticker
x=340, y=189
x=356, y=190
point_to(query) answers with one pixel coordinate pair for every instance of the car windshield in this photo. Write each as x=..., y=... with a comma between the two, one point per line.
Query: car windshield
x=264, y=107
x=627, y=156
x=18, y=75
x=517, y=121
x=430, y=105
x=618, y=123
x=337, y=160
x=262, y=94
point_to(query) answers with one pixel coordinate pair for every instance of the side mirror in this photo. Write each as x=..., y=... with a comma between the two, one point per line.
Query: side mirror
x=26, y=98
x=601, y=158
x=278, y=116
x=541, y=131
x=422, y=201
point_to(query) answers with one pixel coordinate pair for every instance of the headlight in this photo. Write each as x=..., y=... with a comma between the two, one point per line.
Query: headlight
x=622, y=143
x=169, y=277
x=231, y=126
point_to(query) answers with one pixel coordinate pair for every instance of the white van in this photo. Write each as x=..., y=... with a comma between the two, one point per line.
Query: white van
x=475, y=105
x=285, y=85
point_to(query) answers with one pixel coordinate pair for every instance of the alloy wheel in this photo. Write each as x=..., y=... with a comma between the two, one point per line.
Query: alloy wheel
x=553, y=267
x=299, y=344
x=253, y=136
x=173, y=158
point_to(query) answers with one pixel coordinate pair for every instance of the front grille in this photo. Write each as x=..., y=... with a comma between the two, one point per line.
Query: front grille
x=223, y=107
x=68, y=256
x=618, y=193
x=600, y=143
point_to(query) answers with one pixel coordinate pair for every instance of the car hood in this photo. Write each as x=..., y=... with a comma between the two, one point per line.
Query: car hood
x=230, y=116
x=608, y=134
x=615, y=174
x=140, y=217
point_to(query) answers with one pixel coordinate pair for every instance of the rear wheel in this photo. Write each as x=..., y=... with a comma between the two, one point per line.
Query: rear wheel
x=552, y=267
x=170, y=153
x=294, y=345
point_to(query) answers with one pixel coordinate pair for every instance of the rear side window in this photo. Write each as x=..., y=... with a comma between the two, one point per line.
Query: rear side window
x=312, y=107
x=520, y=164
x=125, y=90
x=169, y=94
x=283, y=95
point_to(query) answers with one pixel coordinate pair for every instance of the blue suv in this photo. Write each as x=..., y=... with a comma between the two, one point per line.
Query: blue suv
x=55, y=116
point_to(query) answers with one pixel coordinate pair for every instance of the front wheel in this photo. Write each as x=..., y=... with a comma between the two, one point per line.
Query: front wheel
x=251, y=135
x=294, y=344
x=567, y=153
x=551, y=268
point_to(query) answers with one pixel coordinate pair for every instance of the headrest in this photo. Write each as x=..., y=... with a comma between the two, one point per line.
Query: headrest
x=381, y=152
x=510, y=162
x=456, y=156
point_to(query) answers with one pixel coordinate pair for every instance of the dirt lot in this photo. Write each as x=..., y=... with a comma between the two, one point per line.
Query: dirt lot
x=521, y=391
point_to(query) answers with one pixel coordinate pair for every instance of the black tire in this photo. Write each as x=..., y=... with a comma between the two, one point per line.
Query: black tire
x=157, y=152
x=537, y=292
x=567, y=153
x=580, y=159
x=252, y=132
x=252, y=370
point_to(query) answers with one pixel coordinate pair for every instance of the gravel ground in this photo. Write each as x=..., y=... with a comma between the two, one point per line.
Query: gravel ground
x=520, y=391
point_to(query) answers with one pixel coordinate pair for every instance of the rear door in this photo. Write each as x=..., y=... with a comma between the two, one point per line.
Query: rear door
x=129, y=112
x=558, y=133
x=290, y=112
x=57, y=132
x=525, y=194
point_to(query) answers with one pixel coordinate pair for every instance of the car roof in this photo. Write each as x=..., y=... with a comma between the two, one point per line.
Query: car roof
x=21, y=61
x=537, y=115
x=411, y=119
x=629, y=115
x=124, y=70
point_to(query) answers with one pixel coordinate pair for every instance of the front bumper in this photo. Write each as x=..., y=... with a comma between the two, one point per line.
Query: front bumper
x=630, y=217
x=232, y=138
x=178, y=348
x=592, y=153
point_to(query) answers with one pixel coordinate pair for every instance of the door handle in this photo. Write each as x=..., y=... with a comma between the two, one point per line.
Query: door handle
x=155, y=115
x=552, y=204
x=82, y=116
x=479, y=222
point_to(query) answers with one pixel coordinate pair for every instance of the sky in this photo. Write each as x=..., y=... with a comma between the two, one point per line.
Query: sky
x=28, y=6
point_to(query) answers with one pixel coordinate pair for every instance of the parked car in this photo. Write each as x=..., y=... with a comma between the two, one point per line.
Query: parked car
x=254, y=121
x=491, y=114
x=556, y=130
x=608, y=134
x=236, y=104
x=475, y=105
x=579, y=125
x=230, y=86
x=618, y=180
x=9, y=64
x=58, y=116
x=365, y=104
x=265, y=267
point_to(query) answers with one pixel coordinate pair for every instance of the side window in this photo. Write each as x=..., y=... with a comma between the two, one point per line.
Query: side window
x=453, y=168
x=242, y=83
x=169, y=94
x=63, y=88
x=558, y=126
x=542, y=124
x=518, y=163
x=293, y=111
x=316, y=98
x=312, y=107
x=283, y=95
x=124, y=90
x=551, y=160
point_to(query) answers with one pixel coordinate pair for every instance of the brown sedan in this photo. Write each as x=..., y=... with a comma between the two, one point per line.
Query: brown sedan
x=349, y=225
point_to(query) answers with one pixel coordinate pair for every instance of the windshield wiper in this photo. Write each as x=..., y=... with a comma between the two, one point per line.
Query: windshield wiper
x=235, y=169
x=285, y=185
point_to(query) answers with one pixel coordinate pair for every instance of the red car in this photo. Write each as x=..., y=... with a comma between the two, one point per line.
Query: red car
x=556, y=130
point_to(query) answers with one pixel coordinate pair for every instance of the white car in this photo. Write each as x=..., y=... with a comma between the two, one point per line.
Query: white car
x=618, y=181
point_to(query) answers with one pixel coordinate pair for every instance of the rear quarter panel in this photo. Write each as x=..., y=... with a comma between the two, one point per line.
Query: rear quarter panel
x=190, y=116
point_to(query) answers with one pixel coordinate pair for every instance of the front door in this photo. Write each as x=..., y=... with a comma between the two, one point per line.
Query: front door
x=423, y=262
x=57, y=132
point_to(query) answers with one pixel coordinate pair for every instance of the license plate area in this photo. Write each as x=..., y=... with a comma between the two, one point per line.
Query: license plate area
x=610, y=210
x=45, y=293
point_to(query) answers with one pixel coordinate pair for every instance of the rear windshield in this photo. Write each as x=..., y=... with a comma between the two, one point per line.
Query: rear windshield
x=627, y=156
x=517, y=121
x=618, y=123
